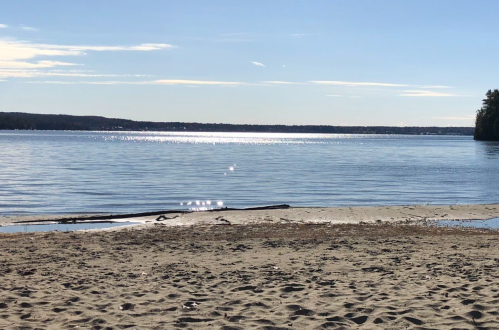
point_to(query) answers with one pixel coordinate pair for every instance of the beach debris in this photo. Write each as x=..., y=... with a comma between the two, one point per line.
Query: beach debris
x=275, y=267
x=26, y=272
x=163, y=218
x=222, y=221
x=143, y=273
x=127, y=306
x=190, y=305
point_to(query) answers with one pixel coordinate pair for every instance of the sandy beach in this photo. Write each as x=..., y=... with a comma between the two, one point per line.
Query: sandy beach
x=324, y=215
x=379, y=275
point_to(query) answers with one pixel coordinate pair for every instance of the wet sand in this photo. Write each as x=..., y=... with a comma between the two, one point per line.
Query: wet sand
x=336, y=215
x=253, y=276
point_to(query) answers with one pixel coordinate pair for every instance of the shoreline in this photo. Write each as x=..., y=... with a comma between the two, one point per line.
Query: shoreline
x=281, y=214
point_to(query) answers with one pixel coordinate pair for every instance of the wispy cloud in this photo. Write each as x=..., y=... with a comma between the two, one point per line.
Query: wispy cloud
x=29, y=28
x=258, y=64
x=149, y=82
x=193, y=82
x=333, y=95
x=29, y=65
x=277, y=82
x=15, y=53
x=30, y=73
x=80, y=49
x=424, y=93
x=355, y=84
x=302, y=34
x=434, y=87
x=3, y=26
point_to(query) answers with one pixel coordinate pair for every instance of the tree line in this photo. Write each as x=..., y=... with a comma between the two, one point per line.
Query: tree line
x=27, y=121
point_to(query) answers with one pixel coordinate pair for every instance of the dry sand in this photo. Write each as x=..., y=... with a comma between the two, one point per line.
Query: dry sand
x=255, y=276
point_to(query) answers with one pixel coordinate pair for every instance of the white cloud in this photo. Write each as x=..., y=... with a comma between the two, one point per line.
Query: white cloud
x=3, y=26
x=29, y=65
x=29, y=28
x=30, y=73
x=193, y=82
x=61, y=82
x=150, y=82
x=81, y=49
x=434, y=87
x=423, y=93
x=277, y=82
x=354, y=84
x=259, y=64
x=17, y=52
x=333, y=95
x=303, y=34
x=283, y=66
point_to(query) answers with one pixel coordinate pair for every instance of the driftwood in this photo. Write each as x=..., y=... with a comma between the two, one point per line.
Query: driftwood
x=95, y=218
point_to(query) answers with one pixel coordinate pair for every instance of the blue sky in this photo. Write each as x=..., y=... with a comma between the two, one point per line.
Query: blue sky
x=426, y=63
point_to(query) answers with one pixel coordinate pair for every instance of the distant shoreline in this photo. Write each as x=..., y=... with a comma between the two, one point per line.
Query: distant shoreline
x=215, y=131
x=48, y=122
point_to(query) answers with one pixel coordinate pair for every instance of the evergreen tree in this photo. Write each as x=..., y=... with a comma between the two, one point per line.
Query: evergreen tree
x=487, y=118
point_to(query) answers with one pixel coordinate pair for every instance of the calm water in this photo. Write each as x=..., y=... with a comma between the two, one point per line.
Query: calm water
x=92, y=172
x=62, y=227
x=485, y=224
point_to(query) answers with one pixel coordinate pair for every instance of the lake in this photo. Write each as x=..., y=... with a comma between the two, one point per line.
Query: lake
x=60, y=172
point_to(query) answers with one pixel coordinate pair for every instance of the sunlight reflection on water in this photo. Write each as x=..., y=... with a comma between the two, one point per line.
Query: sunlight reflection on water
x=44, y=172
x=203, y=205
x=219, y=137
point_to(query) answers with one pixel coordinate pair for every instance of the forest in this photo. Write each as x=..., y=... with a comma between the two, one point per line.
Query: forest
x=29, y=121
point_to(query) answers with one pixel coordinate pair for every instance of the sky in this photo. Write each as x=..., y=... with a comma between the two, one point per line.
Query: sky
x=334, y=62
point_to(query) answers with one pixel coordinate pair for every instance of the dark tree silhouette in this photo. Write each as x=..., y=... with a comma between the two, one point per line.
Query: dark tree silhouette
x=18, y=120
x=487, y=118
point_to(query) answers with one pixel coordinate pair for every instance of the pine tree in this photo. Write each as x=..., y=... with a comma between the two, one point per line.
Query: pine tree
x=487, y=118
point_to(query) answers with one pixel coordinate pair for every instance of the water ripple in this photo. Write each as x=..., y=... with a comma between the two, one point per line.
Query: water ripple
x=80, y=172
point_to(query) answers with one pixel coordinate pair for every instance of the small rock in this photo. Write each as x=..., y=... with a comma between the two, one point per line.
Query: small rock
x=190, y=305
x=127, y=306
